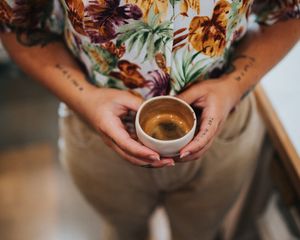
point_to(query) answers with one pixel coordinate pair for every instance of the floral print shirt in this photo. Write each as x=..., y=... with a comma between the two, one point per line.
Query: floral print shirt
x=149, y=47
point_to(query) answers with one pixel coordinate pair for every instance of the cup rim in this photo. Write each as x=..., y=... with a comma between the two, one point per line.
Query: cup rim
x=166, y=97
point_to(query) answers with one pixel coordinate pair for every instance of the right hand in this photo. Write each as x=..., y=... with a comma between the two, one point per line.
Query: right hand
x=103, y=110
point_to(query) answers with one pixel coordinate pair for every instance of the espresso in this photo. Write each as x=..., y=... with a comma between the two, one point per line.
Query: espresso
x=166, y=126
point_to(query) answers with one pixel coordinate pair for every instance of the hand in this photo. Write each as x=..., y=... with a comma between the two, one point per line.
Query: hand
x=103, y=110
x=216, y=98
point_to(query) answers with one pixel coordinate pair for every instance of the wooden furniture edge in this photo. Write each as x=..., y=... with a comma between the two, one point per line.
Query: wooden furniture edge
x=279, y=137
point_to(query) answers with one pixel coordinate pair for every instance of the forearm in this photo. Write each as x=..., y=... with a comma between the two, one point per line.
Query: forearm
x=102, y=108
x=261, y=49
x=54, y=67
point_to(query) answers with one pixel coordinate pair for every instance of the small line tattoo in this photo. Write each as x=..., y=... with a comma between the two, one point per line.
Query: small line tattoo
x=210, y=122
x=249, y=63
x=68, y=75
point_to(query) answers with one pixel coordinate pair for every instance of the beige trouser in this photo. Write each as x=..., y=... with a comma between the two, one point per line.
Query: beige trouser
x=196, y=195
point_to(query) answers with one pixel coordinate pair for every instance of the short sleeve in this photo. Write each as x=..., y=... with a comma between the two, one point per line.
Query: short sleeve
x=35, y=19
x=269, y=12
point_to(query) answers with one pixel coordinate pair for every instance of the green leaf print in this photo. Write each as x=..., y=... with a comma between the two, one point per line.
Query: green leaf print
x=114, y=83
x=103, y=61
x=234, y=18
x=185, y=71
x=173, y=2
x=153, y=36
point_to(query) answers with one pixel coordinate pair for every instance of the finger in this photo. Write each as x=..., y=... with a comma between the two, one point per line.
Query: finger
x=142, y=162
x=198, y=155
x=116, y=130
x=131, y=101
x=191, y=94
x=170, y=163
x=154, y=163
x=208, y=129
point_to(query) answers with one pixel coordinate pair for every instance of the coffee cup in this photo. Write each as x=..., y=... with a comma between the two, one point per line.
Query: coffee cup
x=165, y=124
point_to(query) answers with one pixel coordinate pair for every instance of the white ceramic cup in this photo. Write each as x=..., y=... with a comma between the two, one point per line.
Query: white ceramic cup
x=165, y=104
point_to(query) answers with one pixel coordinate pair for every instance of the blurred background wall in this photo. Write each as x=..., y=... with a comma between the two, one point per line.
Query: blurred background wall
x=37, y=200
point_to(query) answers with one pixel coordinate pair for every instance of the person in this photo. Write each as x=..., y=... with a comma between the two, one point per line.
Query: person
x=103, y=58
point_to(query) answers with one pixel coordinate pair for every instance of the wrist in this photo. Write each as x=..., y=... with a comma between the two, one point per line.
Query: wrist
x=80, y=98
x=233, y=89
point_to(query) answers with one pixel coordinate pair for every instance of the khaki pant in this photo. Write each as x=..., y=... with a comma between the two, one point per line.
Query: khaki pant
x=196, y=195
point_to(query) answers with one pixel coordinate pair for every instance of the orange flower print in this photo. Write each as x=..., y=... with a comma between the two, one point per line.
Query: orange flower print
x=129, y=74
x=160, y=7
x=100, y=60
x=186, y=4
x=208, y=35
x=179, y=39
x=75, y=10
x=25, y=14
x=161, y=62
x=113, y=49
x=6, y=12
x=246, y=7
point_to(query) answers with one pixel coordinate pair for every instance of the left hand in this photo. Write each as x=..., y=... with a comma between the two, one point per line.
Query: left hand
x=216, y=98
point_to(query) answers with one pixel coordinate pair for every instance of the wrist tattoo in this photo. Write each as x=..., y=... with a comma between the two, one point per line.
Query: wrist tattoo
x=67, y=74
x=245, y=68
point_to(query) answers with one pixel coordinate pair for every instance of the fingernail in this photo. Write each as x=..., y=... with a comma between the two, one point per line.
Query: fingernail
x=171, y=164
x=182, y=155
x=154, y=158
